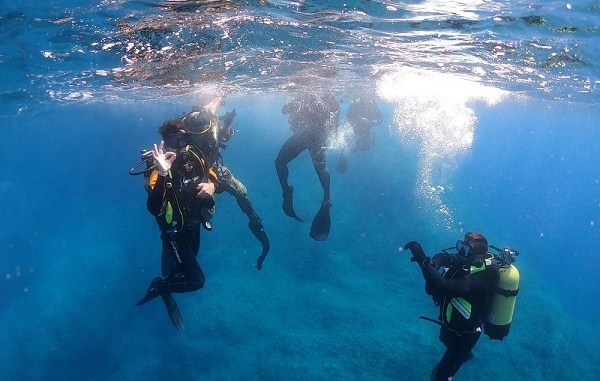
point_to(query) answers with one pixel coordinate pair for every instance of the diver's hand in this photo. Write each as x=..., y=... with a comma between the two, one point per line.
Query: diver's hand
x=418, y=255
x=205, y=190
x=228, y=118
x=164, y=160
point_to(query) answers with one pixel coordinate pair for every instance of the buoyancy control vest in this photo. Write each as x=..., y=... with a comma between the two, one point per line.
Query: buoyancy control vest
x=179, y=203
x=467, y=313
x=459, y=314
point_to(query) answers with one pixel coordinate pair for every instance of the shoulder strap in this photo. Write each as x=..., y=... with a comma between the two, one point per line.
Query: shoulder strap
x=199, y=156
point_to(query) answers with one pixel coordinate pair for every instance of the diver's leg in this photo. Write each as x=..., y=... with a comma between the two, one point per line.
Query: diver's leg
x=458, y=351
x=194, y=238
x=321, y=224
x=289, y=151
x=317, y=154
x=189, y=276
x=256, y=227
x=158, y=285
x=238, y=190
x=167, y=263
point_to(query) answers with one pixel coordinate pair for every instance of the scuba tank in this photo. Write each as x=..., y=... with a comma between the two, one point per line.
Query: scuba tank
x=497, y=324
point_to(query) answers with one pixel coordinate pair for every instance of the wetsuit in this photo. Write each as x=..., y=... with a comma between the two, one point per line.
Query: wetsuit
x=312, y=119
x=209, y=135
x=179, y=214
x=464, y=293
x=363, y=115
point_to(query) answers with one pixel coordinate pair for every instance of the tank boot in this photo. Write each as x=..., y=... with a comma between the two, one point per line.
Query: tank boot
x=157, y=287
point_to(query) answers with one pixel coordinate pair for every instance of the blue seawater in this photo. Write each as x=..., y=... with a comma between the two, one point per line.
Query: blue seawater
x=491, y=123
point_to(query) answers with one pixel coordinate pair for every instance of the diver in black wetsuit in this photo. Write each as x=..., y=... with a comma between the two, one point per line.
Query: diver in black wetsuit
x=362, y=115
x=464, y=294
x=210, y=135
x=181, y=198
x=313, y=118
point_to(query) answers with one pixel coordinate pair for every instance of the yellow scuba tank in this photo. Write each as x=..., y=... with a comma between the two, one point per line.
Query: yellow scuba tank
x=500, y=317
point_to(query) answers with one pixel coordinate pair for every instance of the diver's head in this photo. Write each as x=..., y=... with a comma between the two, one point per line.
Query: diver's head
x=175, y=134
x=474, y=243
x=198, y=121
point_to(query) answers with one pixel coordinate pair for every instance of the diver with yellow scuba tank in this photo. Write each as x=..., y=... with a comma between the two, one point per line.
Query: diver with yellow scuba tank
x=475, y=290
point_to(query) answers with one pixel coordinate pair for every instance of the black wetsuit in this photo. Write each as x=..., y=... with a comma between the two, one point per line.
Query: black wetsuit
x=209, y=135
x=469, y=285
x=363, y=115
x=179, y=214
x=312, y=119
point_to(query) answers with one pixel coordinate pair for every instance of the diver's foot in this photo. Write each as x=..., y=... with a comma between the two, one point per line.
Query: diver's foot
x=288, y=203
x=153, y=291
x=262, y=257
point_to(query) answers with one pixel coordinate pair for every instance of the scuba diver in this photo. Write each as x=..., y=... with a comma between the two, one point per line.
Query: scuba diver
x=180, y=196
x=210, y=135
x=313, y=118
x=362, y=115
x=477, y=289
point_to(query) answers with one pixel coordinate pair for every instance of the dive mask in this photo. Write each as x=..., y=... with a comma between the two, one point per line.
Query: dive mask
x=472, y=246
x=462, y=247
x=178, y=140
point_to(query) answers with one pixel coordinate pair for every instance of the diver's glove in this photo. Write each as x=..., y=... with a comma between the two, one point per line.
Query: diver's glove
x=418, y=255
x=228, y=118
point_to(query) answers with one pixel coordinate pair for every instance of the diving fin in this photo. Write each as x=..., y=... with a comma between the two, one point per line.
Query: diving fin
x=288, y=204
x=319, y=230
x=258, y=230
x=173, y=310
x=155, y=289
x=260, y=260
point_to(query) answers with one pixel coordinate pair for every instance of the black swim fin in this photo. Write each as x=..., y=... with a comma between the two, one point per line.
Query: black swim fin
x=259, y=232
x=288, y=204
x=156, y=288
x=173, y=310
x=260, y=260
x=319, y=230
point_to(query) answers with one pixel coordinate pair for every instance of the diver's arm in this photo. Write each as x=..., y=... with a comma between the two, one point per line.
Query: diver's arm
x=164, y=161
x=440, y=285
